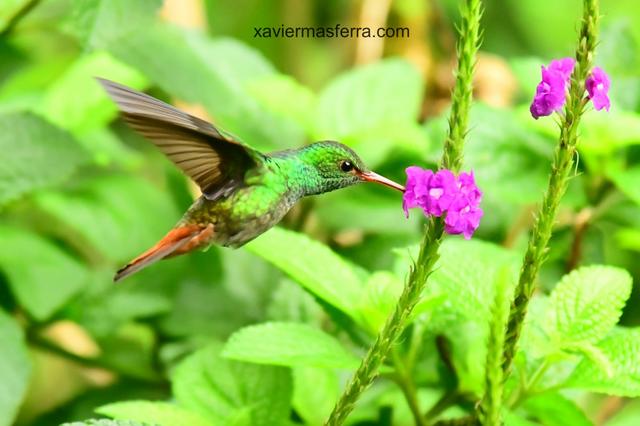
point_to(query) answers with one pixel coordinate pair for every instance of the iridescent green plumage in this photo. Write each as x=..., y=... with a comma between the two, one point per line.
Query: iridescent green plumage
x=244, y=192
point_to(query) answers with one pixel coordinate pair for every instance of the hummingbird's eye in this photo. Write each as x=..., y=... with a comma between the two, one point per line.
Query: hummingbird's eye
x=346, y=166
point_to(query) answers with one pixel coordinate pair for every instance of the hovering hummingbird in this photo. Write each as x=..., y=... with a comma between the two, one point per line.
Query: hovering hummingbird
x=244, y=192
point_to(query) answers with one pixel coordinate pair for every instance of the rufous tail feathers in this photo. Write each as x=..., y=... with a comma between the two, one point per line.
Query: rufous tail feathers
x=180, y=240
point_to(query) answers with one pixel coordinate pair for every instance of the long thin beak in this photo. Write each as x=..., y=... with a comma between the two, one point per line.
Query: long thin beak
x=374, y=177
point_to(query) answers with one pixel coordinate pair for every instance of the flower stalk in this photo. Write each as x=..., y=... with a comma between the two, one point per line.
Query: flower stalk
x=467, y=48
x=558, y=181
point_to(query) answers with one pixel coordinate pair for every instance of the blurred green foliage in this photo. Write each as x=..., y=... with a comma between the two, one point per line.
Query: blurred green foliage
x=266, y=335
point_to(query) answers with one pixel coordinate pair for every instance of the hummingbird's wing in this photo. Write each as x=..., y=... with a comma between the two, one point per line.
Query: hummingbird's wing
x=215, y=161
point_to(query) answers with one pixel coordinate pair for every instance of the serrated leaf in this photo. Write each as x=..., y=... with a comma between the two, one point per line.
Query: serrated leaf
x=159, y=413
x=288, y=344
x=214, y=73
x=15, y=368
x=41, y=275
x=101, y=23
x=35, y=155
x=313, y=265
x=587, y=303
x=594, y=354
x=622, y=348
x=223, y=390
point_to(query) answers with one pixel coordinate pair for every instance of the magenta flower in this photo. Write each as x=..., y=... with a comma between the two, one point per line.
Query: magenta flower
x=462, y=218
x=597, y=85
x=551, y=92
x=416, y=188
x=443, y=192
x=564, y=66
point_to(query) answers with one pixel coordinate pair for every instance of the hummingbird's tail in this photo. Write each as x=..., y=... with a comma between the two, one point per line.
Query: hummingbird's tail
x=181, y=239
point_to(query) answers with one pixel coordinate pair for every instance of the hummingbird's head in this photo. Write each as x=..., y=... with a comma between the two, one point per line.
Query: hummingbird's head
x=338, y=166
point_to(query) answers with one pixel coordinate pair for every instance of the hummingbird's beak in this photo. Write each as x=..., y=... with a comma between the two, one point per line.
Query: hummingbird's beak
x=374, y=177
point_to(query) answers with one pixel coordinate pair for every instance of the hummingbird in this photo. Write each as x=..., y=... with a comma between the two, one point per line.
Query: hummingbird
x=244, y=191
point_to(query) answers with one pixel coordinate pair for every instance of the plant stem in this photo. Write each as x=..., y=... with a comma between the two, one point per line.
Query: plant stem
x=404, y=380
x=18, y=16
x=428, y=255
x=490, y=408
x=558, y=180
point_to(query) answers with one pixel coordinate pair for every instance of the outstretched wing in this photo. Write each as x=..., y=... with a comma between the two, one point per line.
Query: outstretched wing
x=215, y=161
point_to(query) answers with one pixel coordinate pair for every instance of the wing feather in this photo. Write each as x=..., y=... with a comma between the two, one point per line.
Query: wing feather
x=205, y=154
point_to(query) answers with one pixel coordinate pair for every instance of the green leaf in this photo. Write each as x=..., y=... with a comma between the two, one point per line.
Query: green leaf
x=587, y=303
x=360, y=99
x=628, y=182
x=622, y=348
x=76, y=102
x=105, y=422
x=288, y=344
x=313, y=265
x=214, y=73
x=108, y=216
x=41, y=276
x=365, y=106
x=594, y=354
x=8, y=9
x=36, y=155
x=315, y=392
x=160, y=413
x=554, y=409
x=231, y=391
x=464, y=279
x=101, y=23
x=15, y=368
x=287, y=98
x=382, y=291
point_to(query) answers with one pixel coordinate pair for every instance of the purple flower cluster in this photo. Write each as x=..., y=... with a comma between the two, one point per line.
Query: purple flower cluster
x=551, y=92
x=442, y=192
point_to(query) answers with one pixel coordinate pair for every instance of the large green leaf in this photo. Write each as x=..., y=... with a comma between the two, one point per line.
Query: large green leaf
x=41, y=275
x=366, y=106
x=224, y=390
x=114, y=217
x=313, y=265
x=159, y=413
x=8, y=9
x=315, y=392
x=76, y=102
x=628, y=182
x=587, y=303
x=15, y=368
x=101, y=23
x=288, y=344
x=622, y=348
x=214, y=73
x=35, y=155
